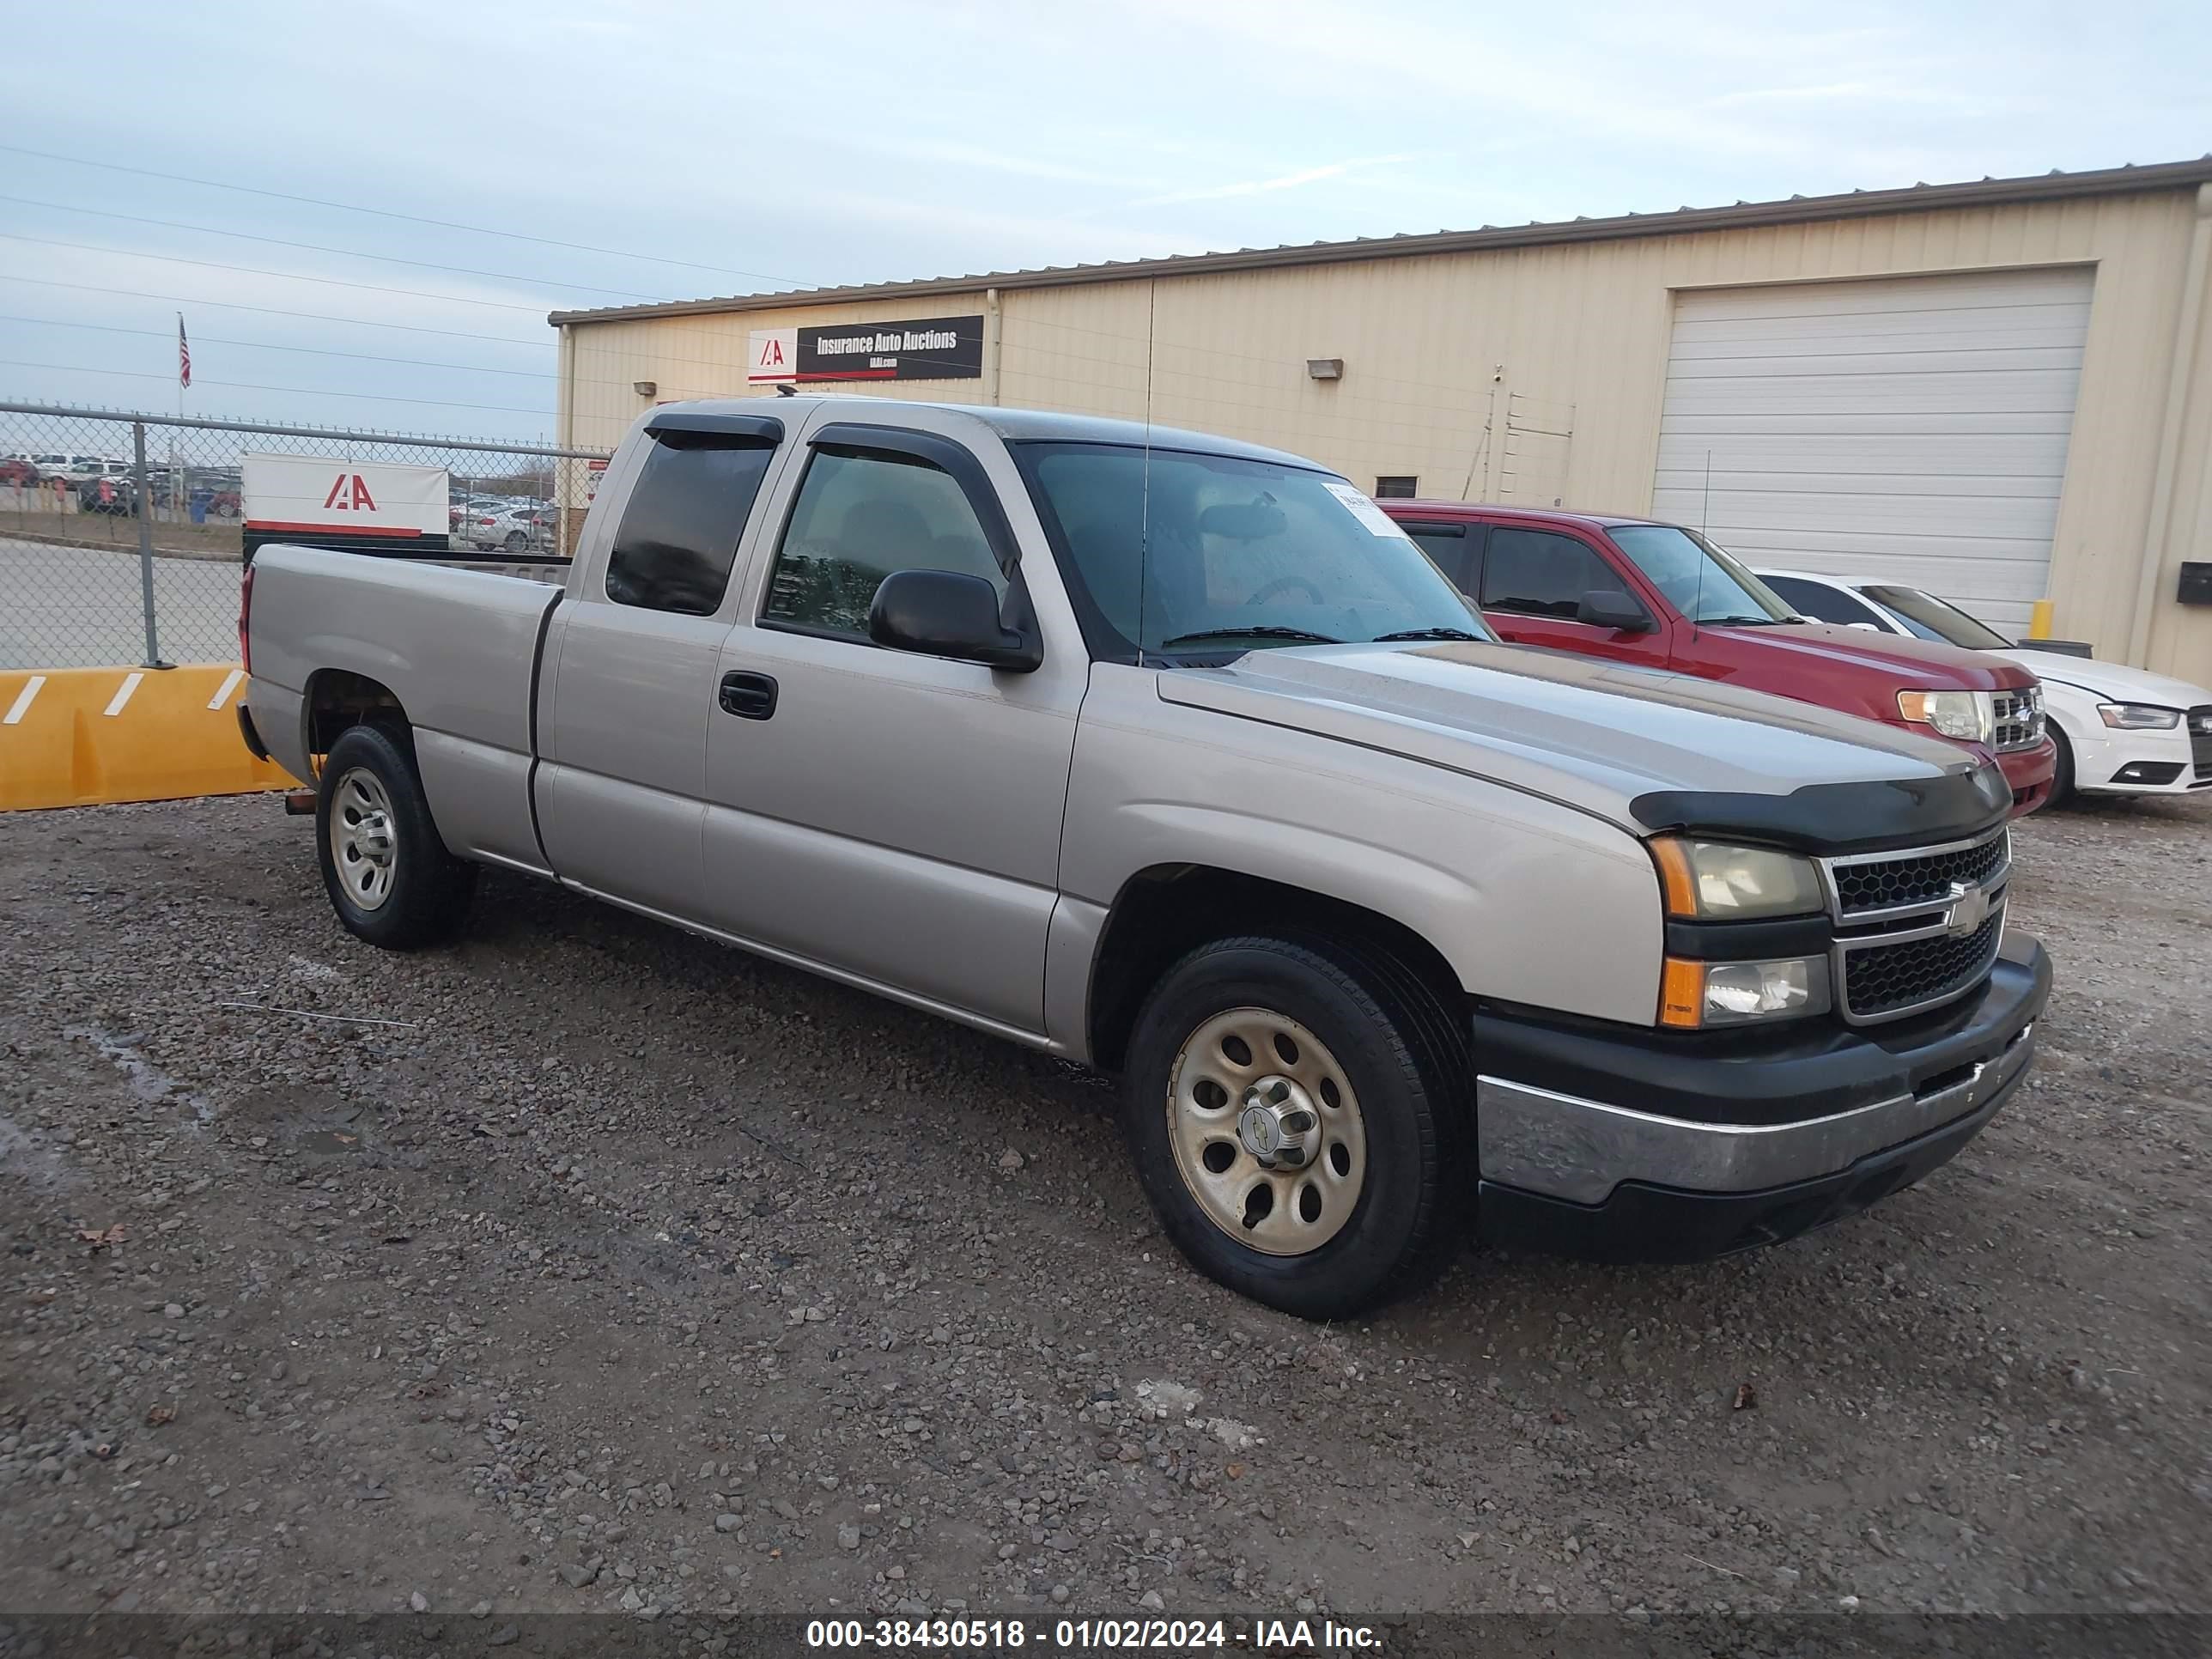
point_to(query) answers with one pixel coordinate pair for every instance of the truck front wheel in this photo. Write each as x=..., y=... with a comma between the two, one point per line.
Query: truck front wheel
x=1294, y=1111
x=387, y=871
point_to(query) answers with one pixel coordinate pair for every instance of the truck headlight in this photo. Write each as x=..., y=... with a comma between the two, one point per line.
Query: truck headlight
x=2138, y=717
x=1712, y=881
x=1697, y=995
x=1968, y=716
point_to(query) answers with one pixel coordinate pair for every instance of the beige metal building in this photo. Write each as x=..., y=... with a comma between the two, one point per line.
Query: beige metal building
x=2000, y=391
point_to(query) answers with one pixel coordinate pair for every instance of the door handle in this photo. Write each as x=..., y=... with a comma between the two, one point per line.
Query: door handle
x=749, y=696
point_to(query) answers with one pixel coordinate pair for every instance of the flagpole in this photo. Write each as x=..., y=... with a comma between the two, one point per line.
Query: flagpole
x=177, y=491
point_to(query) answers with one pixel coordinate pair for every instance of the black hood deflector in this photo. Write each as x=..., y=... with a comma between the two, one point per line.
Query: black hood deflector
x=1837, y=818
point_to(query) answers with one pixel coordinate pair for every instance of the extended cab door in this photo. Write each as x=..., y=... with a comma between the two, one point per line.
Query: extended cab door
x=630, y=681
x=889, y=817
x=1533, y=584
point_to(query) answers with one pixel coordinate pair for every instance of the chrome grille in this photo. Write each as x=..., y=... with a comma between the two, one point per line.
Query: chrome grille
x=2018, y=716
x=1886, y=881
x=1916, y=929
x=2200, y=739
x=1887, y=981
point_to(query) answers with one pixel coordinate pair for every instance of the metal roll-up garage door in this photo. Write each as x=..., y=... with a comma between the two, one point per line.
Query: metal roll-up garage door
x=1908, y=429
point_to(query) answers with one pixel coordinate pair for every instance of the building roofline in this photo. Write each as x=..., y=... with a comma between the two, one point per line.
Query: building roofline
x=1796, y=210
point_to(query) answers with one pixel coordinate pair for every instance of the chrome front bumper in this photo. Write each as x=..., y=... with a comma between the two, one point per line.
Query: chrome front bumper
x=1565, y=1147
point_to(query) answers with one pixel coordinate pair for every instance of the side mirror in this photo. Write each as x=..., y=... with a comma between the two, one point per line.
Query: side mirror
x=1611, y=608
x=948, y=613
x=1866, y=627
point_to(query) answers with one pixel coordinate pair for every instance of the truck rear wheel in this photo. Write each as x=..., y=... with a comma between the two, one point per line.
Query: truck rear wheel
x=387, y=871
x=1295, y=1108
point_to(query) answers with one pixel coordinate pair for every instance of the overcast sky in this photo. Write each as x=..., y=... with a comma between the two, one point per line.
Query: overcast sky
x=773, y=145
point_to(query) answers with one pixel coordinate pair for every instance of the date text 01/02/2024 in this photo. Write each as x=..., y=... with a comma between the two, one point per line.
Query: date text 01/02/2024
x=1078, y=1635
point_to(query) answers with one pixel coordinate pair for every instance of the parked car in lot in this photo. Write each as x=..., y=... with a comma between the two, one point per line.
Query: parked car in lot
x=2119, y=731
x=73, y=469
x=1632, y=590
x=107, y=493
x=472, y=525
x=1173, y=756
x=516, y=529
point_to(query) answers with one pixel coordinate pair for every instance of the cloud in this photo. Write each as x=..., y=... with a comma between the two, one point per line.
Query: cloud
x=879, y=141
x=1849, y=93
x=984, y=159
x=1281, y=181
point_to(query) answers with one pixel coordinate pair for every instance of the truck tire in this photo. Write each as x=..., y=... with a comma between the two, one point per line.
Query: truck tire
x=1296, y=1111
x=387, y=871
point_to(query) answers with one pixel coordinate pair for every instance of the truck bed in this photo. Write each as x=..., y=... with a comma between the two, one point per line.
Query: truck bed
x=553, y=573
x=455, y=641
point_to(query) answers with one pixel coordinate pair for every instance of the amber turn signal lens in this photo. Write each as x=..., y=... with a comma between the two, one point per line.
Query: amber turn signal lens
x=1682, y=993
x=1676, y=879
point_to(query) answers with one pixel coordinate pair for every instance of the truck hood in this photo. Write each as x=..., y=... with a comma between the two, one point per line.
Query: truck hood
x=1644, y=748
x=2114, y=682
x=1911, y=664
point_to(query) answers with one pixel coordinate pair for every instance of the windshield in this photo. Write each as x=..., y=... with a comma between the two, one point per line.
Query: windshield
x=1190, y=554
x=1931, y=618
x=1700, y=581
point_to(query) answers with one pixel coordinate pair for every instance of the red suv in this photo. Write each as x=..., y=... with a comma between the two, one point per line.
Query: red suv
x=1664, y=597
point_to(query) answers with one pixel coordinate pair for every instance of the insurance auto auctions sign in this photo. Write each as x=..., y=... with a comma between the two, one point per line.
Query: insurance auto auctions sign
x=303, y=494
x=918, y=349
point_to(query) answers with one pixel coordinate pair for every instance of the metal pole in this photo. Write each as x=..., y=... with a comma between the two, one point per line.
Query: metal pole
x=145, y=509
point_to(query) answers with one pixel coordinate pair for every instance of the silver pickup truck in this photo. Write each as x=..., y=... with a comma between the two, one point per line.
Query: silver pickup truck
x=1173, y=756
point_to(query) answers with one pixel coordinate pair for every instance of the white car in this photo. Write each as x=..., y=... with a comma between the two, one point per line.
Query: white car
x=2120, y=731
x=76, y=468
x=516, y=529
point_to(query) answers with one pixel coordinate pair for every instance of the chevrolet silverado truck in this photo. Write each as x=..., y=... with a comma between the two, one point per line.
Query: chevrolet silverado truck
x=1630, y=590
x=1177, y=757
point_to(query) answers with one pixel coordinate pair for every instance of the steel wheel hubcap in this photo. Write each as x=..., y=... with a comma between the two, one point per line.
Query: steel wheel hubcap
x=364, y=845
x=1267, y=1131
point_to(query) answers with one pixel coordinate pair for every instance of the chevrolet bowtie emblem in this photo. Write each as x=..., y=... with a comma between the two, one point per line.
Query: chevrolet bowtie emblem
x=1969, y=909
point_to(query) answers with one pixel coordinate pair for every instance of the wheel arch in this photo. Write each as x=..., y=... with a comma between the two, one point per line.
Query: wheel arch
x=336, y=698
x=1165, y=910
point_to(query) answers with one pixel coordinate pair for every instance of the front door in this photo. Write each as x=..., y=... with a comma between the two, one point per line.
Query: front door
x=890, y=816
x=1533, y=582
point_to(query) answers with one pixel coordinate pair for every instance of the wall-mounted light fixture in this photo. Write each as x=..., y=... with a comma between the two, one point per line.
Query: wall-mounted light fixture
x=1324, y=368
x=645, y=388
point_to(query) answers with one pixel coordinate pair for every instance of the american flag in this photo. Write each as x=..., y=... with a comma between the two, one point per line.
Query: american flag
x=184, y=354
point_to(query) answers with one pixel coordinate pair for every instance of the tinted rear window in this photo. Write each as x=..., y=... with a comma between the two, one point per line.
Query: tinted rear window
x=679, y=532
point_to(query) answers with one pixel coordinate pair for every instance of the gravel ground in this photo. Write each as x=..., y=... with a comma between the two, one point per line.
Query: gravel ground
x=625, y=1272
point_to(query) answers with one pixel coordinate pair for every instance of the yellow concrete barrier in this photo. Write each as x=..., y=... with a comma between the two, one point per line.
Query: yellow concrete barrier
x=82, y=737
x=2038, y=620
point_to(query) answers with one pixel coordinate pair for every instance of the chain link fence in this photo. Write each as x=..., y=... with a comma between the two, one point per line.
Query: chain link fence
x=122, y=535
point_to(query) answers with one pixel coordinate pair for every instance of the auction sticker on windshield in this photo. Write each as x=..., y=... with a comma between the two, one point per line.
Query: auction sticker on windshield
x=1375, y=520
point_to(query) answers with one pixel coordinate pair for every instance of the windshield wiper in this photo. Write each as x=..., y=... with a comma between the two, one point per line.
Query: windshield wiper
x=1738, y=622
x=1425, y=634
x=1261, y=632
